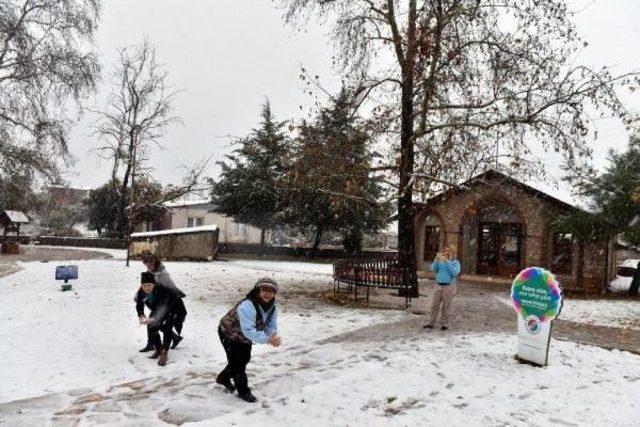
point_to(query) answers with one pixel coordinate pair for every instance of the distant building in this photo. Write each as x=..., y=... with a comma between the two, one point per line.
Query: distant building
x=499, y=226
x=65, y=195
x=197, y=213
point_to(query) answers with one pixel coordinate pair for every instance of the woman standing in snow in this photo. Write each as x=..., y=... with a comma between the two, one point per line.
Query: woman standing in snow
x=252, y=320
x=161, y=275
x=447, y=269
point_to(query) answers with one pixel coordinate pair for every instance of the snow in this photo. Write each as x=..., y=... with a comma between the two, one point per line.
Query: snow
x=183, y=203
x=55, y=342
x=443, y=380
x=17, y=217
x=200, y=229
x=630, y=263
x=613, y=313
x=620, y=284
x=600, y=312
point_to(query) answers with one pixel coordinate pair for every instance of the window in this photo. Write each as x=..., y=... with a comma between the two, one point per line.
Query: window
x=190, y=222
x=562, y=255
x=239, y=230
x=199, y=222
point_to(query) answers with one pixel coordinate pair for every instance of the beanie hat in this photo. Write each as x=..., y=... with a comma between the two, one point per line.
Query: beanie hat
x=267, y=283
x=147, y=277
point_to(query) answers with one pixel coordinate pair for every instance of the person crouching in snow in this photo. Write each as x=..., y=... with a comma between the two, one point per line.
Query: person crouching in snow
x=154, y=265
x=163, y=303
x=447, y=269
x=252, y=320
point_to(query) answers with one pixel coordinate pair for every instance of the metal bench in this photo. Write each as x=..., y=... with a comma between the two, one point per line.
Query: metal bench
x=383, y=273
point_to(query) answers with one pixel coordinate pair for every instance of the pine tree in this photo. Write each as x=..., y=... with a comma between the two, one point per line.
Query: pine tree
x=247, y=189
x=615, y=202
x=329, y=177
x=614, y=196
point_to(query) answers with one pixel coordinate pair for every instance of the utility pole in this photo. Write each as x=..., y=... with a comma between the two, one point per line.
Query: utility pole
x=135, y=130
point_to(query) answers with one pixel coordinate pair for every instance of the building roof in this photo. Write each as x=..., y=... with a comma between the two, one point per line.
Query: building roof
x=66, y=187
x=187, y=203
x=492, y=175
x=189, y=230
x=16, y=217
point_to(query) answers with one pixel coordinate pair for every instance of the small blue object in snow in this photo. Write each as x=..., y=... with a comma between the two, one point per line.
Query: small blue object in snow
x=66, y=273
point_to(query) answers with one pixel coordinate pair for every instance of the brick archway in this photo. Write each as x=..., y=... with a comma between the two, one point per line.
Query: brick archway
x=470, y=218
x=420, y=227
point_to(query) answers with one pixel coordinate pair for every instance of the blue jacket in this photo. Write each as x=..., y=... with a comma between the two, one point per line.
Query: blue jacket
x=247, y=317
x=446, y=271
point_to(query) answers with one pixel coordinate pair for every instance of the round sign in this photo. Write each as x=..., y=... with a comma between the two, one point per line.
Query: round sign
x=536, y=295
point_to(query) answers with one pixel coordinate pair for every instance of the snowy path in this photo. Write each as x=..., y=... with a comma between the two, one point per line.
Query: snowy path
x=451, y=380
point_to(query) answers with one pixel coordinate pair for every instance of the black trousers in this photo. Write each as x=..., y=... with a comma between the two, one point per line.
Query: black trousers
x=238, y=356
x=177, y=323
x=153, y=335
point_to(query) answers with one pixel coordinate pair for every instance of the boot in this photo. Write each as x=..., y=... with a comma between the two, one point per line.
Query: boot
x=155, y=354
x=148, y=347
x=248, y=397
x=226, y=382
x=163, y=357
x=176, y=340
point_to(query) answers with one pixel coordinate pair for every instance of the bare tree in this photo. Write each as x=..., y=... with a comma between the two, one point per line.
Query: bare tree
x=45, y=60
x=446, y=75
x=136, y=117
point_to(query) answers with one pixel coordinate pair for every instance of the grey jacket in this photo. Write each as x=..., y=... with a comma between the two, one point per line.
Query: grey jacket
x=164, y=279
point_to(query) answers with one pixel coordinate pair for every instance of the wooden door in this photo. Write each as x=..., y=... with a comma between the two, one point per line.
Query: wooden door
x=499, y=248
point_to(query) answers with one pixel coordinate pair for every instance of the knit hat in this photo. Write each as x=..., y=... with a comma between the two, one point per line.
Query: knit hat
x=147, y=277
x=267, y=283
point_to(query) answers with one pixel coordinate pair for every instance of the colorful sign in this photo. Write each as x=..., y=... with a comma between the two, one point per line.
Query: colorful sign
x=537, y=298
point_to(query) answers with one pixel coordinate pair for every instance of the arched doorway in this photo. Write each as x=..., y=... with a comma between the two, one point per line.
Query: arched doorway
x=493, y=238
x=431, y=237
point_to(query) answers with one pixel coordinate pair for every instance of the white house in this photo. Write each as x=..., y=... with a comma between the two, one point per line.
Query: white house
x=196, y=213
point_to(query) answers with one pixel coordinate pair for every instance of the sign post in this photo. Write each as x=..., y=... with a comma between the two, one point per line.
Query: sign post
x=537, y=299
x=66, y=273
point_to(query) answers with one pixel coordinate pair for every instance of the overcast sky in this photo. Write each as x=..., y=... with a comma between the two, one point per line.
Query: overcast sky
x=228, y=55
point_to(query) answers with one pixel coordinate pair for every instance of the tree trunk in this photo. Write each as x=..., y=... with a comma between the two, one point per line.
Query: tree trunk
x=316, y=242
x=406, y=228
x=263, y=233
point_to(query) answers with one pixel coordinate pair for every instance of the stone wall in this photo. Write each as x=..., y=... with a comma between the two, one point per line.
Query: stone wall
x=198, y=246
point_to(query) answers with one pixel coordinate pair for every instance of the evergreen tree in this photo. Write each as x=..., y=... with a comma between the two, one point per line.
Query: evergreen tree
x=329, y=177
x=614, y=196
x=615, y=202
x=247, y=189
x=103, y=212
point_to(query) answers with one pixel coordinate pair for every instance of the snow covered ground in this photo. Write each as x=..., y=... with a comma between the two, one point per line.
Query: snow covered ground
x=56, y=342
x=448, y=380
x=601, y=312
x=620, y=284
x=53, y=341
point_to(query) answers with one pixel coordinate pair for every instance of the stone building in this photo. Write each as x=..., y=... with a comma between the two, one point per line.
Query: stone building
x=500, y=225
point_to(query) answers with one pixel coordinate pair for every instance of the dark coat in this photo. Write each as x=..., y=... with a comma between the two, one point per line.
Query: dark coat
x=162, y=302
